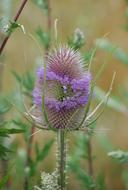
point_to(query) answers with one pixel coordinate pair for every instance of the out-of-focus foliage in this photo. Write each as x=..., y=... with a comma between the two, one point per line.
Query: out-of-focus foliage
x=119, y=155
x=113, y=49
x=26, y=82
x=113, y=102
x=42, y=4
x=44, y=37
x=80, y=155
x=4, y=105
x=6, y=177
x=4, y=130
x=77, y=40
x=28, y=166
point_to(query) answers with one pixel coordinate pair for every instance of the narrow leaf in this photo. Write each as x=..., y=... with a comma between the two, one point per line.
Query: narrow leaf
x=44, y=152
x=44, y=37
x=115, y=50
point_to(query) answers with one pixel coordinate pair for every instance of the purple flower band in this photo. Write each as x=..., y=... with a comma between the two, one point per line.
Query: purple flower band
x=79, y=87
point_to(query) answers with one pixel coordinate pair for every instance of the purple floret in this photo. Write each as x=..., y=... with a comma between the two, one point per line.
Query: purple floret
x=80, y=89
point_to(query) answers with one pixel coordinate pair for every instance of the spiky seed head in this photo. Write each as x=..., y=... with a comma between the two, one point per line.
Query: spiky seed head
x=67, y=87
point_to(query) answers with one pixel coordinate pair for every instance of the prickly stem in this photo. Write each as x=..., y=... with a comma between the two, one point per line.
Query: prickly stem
x=61, y=141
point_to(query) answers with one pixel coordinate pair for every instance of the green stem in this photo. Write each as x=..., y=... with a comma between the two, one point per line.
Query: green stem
x=90, y=159
x=61, y=159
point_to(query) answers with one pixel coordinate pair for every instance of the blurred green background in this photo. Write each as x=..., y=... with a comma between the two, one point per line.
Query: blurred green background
x=96, y=19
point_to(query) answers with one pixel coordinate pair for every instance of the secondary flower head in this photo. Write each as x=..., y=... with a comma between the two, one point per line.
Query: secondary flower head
x=67, y=88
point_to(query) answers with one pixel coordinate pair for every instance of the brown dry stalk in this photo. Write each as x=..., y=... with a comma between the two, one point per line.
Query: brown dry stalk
x=14, y=19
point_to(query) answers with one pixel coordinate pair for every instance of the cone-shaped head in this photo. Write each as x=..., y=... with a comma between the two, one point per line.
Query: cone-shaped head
x=67, y=88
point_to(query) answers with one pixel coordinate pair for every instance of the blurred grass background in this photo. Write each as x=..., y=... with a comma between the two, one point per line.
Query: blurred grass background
x=95, y=19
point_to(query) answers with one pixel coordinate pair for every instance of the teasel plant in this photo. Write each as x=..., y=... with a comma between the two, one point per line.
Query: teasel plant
x=63, y=93
x=62, y=97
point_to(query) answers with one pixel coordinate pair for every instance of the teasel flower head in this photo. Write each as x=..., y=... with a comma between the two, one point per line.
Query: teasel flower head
x=65, y=86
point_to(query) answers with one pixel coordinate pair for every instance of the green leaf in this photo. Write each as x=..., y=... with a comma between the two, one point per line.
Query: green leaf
x=81, y=146
x=113, y=102
x=4, y=132
x=14, y=131
x=42, y=4
x=86, y=180
x=87, y=55
x=41, y=154
x=4, y=105
x=119, y=155
x=13, y=26
x=3, y=151
x=17, y=77
x=27, y=81
x=101, y=182
x=43, y=37
x=77, y=40
x=26, y=127
x=119, y=53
